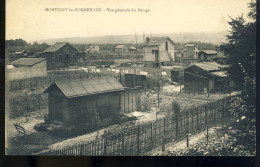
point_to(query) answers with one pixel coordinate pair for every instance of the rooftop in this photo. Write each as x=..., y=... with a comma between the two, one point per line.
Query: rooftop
x=87, y=86
x=207, y=66
x=209, y=51
x=27, y=61
x=158, y=40
x=220, y=73
x=55, y=47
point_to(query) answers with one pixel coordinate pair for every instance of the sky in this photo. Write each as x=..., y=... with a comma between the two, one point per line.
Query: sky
x=29, y=20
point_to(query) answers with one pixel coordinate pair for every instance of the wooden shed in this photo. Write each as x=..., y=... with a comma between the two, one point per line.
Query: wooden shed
x=206, y=76
x=94, y=100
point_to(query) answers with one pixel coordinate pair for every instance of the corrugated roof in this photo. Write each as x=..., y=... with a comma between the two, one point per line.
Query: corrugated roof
x=220, y=73
x=209, y=51
x=87, y=86
x=55, y=47
x=207, y=66
x=158, y=40
x=27, y=61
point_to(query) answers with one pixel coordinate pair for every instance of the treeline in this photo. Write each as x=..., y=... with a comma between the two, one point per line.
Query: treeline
x=19, y=45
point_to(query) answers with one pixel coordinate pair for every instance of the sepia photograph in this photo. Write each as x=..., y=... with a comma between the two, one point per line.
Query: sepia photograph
x=130, y=78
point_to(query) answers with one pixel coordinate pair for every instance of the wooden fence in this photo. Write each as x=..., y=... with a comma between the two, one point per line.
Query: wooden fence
x=142, y=138
x=23, y=105
x=41, y=82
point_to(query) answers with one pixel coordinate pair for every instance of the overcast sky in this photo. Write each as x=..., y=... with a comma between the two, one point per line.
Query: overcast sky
x=27, y=19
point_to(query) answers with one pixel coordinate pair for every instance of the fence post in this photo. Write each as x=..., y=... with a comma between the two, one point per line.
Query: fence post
x=105, y=146
x=151, y=134
x=163, y=144
x=192, y=113
x=20, y=86
x=187, y=137
x=164, y=126
x=123, y=143
x=187, y=121
x=207, y=134
x=39, y=102
x=177, y=122
x=138, y=140
x=206, y=120
x=27, y=105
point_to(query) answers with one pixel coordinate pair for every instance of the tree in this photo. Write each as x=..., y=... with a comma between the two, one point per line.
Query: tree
x=240, y=49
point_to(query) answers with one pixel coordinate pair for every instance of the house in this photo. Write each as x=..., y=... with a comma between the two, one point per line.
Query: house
x=26, y=68
x=61, y=54
x=121, y=49
x=206, y=76
x=92, y=49
x=191, y=51
x=158, y=51
x=207, y=55
x=93, y=101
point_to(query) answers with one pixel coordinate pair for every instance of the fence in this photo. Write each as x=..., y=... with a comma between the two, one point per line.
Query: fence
x=40, y=82
x=142, y=138
x=26, y=104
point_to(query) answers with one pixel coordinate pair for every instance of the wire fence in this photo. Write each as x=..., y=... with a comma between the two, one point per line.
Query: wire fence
x=139, y=139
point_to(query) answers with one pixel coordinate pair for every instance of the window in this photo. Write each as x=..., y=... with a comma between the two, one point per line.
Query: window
x=166, y=45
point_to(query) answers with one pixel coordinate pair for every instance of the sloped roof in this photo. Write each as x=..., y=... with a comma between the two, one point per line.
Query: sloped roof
x=27, y=61
x=209, y=52
x=207, y=66
x=87, y=86
x=189, y=45
x=220, y=73
x=55, y=47
x=120, y=46
x=159, y=40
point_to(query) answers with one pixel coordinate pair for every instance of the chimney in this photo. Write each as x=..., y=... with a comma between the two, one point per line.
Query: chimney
x=147, y=40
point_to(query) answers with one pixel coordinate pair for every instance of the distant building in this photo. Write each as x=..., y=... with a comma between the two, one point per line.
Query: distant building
x=19, y=53
x=208, y=55
x=92, y=49
x=206, y=76
x=94, y=101
x=26, y=68
x=121, y=49
x=191, y=51
x=132, y=49
x=158, y=50
x=61, y=54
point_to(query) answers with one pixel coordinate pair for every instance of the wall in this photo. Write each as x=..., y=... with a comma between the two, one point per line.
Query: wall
x=148, y=55
x=127, y=101
x=163, y=53
x=38, y=70
x=195, y=83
